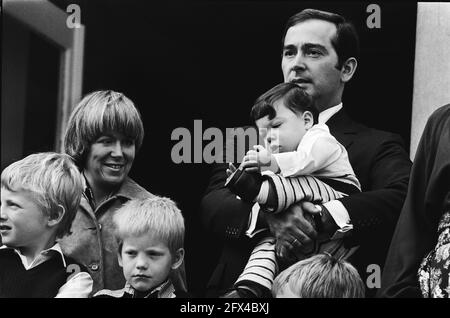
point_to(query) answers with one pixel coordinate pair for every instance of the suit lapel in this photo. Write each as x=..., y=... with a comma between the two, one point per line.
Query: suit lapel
x=343, y=128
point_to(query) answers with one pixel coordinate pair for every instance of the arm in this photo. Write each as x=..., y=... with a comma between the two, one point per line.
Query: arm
x=78, y=286
x=317, y=150
x=375, y=211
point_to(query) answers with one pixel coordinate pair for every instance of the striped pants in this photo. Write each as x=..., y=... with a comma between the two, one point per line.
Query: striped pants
x=262, y=266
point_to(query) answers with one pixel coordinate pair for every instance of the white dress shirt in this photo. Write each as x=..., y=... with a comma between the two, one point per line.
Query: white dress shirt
x=335, y=207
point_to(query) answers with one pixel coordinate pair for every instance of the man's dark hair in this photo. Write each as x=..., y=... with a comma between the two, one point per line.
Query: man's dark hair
x=294, y=98
x=345, y=42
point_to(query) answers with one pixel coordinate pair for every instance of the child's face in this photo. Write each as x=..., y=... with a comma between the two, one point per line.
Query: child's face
x=284, y=132
x=23, y=224
x=147, y=261
x=110, y=159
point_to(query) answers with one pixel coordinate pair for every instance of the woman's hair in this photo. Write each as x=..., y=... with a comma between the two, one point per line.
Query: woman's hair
x=320, y=276
x=293, y=96
x=98, y=113
x=53, y=180
x=157, y=216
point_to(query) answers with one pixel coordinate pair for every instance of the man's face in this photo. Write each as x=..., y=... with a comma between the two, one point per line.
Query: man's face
x=309, y=60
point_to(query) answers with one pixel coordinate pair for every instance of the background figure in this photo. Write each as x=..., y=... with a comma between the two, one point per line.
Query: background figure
x=422, y=234
x=103, y=135
x=320, y=276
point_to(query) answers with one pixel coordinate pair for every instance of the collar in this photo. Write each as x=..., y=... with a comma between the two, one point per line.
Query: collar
x=165, y=290
x=325, y=115
x=129, y=189
x=41, y=258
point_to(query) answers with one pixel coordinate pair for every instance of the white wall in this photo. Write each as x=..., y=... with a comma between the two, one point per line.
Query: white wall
x=432, y=65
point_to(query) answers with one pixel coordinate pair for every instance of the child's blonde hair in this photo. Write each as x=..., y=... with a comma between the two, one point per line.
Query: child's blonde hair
x=53, y=180
x=157, y=215
x=98, y=113
x=320, y=276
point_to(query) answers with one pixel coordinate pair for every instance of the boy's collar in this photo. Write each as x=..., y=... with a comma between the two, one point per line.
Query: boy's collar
x=165, y=290
x=42, y=257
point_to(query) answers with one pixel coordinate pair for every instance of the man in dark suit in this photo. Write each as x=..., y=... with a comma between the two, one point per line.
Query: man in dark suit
x=320, y=55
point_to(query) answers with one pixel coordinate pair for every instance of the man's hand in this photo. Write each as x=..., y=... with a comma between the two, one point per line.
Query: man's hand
x=328, y=225
x=293, y=230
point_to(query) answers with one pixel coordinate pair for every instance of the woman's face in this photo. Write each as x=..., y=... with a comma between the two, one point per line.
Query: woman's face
x=109, y=159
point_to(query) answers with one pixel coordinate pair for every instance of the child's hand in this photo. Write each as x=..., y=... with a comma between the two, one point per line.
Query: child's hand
x=260, y=159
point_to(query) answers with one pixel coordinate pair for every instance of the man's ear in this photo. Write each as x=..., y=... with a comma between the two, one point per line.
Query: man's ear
x=309, y=119
x=56, y=219
x=178, y=258
x=348, y=69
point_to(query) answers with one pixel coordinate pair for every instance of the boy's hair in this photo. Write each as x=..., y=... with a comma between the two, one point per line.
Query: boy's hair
x=157, y=215
x=345, y=42
x=320, y=276
x=294, y=98
x=52, y=179
x=96, y=114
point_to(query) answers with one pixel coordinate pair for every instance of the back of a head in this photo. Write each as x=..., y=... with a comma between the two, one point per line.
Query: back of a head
x=156, y=215
x=294, y=98
x=320, y=276
x=345, y=42
x=98, y=113
x=53, y=180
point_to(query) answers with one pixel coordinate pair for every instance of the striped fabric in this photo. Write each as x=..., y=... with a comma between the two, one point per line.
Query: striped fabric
x=291, y=190
x=262, y=266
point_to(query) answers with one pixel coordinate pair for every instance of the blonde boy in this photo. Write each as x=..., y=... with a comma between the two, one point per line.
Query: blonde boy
x=151, y=237
x=40, y=195
x=320, y=276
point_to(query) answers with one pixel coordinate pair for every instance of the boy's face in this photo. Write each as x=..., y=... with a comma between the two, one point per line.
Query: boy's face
x=147, y=261
x=284, y=132
x=22, y=221
x=110, y=159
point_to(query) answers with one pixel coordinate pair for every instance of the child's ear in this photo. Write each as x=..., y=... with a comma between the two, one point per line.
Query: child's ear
x=119, y=258
x=178, y=258
x=57, y=217
x=309, y=119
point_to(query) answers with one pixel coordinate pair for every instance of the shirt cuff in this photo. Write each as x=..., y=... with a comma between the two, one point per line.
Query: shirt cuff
x=79, y=286
x=252, y=229
x=340, y=215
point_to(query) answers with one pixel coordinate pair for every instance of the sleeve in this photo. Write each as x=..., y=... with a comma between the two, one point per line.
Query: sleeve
x=317, y=150
x=375, y=211
x=221, y=212
x=78, y=286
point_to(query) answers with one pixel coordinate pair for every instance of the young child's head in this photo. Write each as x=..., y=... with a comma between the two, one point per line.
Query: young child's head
x=283, y=115
x=40, y=195
x=151, y=239
x=320, y=276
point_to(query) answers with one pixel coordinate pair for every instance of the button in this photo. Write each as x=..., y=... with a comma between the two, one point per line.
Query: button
x=94, y=266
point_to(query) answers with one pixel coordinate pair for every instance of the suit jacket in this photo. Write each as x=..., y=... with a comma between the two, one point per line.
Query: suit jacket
x=382, y=166
x=428, y=198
